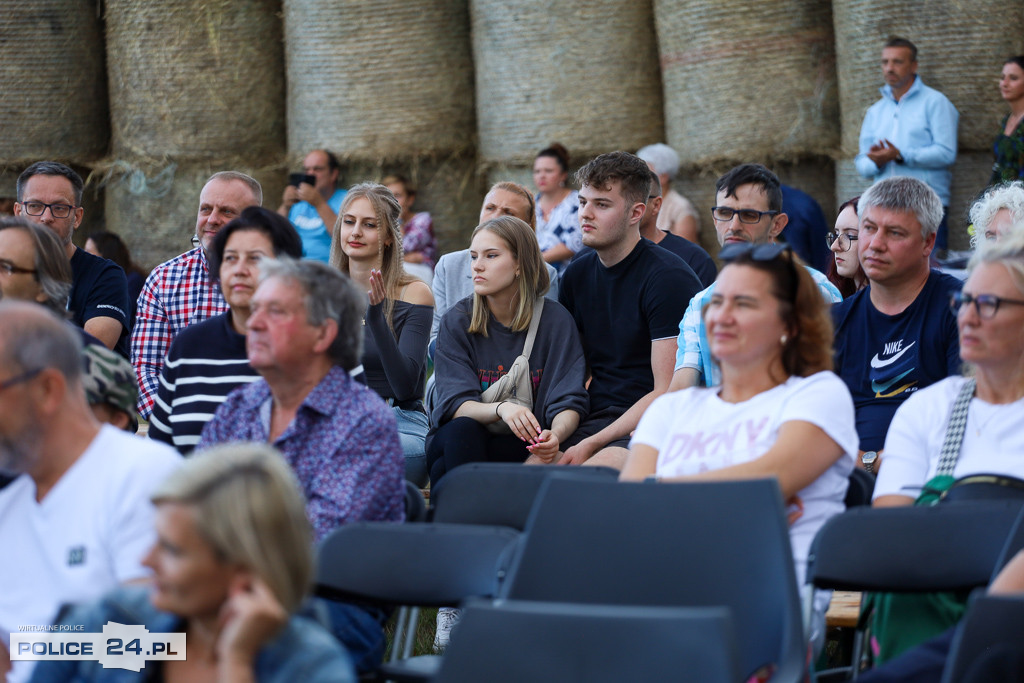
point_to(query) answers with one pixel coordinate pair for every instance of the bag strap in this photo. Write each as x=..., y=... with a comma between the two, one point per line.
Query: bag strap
x=538, y=308
x=955, y=430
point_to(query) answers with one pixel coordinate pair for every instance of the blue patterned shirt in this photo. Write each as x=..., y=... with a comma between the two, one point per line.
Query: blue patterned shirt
x=561, y=227
x=343, y=446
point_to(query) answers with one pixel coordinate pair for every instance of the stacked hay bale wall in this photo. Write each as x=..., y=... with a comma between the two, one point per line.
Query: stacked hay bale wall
x=196, y=87
x=961, y=49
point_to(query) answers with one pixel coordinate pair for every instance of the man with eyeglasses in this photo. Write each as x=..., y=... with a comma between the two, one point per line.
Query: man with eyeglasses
x=897, y=335
x=748, y=209
x=76, y=520
x=181, y=292
x=50, y=193
x=313, y=208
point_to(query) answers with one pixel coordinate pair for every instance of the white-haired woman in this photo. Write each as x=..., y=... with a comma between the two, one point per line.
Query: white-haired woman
x=998, y=212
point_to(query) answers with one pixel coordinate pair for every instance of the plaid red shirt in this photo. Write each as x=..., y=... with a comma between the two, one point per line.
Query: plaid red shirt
x=178, y=293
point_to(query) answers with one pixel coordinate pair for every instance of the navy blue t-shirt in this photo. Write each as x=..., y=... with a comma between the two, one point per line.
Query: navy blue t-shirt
x=99, y=289
x=699, y=260
x=619, y=311
x=885, y=358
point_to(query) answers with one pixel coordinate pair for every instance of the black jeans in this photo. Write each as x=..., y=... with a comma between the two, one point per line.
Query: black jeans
x=465, y=440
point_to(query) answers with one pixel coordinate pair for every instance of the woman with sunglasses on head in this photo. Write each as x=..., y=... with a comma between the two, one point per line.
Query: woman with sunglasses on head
x=844, y=271
x=990, y=319
x=779, y=411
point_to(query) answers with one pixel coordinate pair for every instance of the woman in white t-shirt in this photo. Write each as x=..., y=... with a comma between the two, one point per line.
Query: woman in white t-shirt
x=990, y=317
x=779, y=412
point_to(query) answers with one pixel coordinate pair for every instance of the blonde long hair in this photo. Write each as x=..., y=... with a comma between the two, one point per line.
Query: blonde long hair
x=388, y=213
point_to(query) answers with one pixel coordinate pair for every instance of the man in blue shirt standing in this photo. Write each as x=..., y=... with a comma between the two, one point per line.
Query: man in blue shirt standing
x=911, y=131
x=313, y=209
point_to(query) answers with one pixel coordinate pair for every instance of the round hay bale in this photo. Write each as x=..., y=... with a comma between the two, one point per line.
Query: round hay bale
x=196, y=80
x=849, y=183
x=816, y=177
x=374, y=81
x=54, y=103
x=971, y=172
x=961, y=48
x=748, y=80
x=585, y=74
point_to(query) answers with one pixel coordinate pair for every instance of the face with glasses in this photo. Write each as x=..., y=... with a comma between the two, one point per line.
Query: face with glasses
x=843, y=243
x=50, y=200
x=17, y=267
x=746, y=217
x=990, y=317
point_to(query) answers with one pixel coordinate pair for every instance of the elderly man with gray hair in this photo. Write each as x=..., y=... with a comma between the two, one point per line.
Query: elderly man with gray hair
x=305, y=334
x=898, y=334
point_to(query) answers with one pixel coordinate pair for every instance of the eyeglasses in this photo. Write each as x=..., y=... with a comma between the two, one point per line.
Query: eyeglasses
x=57, y=210
x=985, y=305
x=725, y=214
x=8, y=268
x=758, y=252
x=846, y=239
x=18, y=379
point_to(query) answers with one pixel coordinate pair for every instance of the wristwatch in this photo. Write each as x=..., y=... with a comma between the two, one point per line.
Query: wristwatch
x=868, y=460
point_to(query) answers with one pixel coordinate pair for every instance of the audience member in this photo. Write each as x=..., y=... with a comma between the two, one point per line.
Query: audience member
x=911, y=131
x=51, y=194
x=304, y=336
x=181, y=292
x=699, y=261
x=748, y=210
x=208, y=360
x=678, y=215
x=233, y=562
x=368, y=248
x=805, y=227
x=110, y=246
x=110, y=387
x=1009, y=144
x=558, y=229
x=77, y=519
x=997, y=213
x=419, y=245
x=626, y=297
x=897, y=335
x=313, y=209
x=844, y=271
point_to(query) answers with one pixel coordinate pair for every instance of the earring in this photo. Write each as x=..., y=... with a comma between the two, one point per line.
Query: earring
x=783, y=340
x=517, y=274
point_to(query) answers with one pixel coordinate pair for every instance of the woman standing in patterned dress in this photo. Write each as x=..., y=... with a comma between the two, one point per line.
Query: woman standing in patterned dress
x=1009, y=144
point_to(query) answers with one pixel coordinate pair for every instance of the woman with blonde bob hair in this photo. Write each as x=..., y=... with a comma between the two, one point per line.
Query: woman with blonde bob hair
x=479, y=340
x=232, y=563
x=367, y=246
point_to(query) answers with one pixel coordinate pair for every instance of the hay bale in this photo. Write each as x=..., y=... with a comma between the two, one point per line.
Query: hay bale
x=816, y=177
x=196, y=80
x=961, y=48
x=748, y=80
x=585, y=74
x=971, y=172
x=849, y=183
x=384, y=80
x=54, y=103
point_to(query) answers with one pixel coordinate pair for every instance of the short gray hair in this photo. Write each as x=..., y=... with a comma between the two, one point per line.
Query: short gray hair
x=903, y=193
x=329, y=295
x=53, y=270
x=254, y=185
x=34, y=338
x=662, y=157
x=1009, y=196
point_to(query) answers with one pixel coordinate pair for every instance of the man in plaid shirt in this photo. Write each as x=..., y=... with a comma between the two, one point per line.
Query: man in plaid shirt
x=182, y=291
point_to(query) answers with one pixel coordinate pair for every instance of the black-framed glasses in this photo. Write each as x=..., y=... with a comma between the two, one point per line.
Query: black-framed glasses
x=758, y=252
x=725, y=214
x=18, y=379
x=846, y=239
x=8, y=268
x=56, y=210
x=985, y=305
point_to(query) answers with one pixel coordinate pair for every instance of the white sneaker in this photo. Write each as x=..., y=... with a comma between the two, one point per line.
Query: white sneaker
x=447, y=618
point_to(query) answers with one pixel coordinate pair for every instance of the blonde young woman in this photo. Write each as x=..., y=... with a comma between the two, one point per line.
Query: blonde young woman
x=367, y=246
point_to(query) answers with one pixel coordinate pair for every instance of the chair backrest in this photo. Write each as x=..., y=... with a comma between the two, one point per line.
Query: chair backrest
x=415, y=504
x=511, y=642
x=912, y=549
x=695, y=544
x=499, y=494
x=989, y=644
x=860, y=488
x=413, y=564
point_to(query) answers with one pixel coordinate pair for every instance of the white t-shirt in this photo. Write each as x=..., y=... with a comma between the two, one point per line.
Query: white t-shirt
x=695, y=431
x=87, y=536
x=993, y=441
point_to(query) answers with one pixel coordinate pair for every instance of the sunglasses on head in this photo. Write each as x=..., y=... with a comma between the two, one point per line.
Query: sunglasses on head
x=757, y=252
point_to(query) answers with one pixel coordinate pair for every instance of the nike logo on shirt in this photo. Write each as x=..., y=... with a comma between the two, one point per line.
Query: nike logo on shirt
x=877, y=363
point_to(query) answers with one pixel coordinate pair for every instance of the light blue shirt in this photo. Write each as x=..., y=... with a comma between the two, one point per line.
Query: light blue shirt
x=316, y=237
x=922, y=125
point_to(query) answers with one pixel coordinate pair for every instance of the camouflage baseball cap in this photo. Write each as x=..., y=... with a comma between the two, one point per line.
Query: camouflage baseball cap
x=109, y=378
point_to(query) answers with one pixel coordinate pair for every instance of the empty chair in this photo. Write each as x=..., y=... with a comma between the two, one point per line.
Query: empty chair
x=862, y=485
x=696, y=544
x=517, y=641
x=989, y=644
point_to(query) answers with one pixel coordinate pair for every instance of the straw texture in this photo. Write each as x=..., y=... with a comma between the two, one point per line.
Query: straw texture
x=971, y=172
x=961, y=48
x=748, y=80
x=54, y=90
x=585, y=74
x=381, y=80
